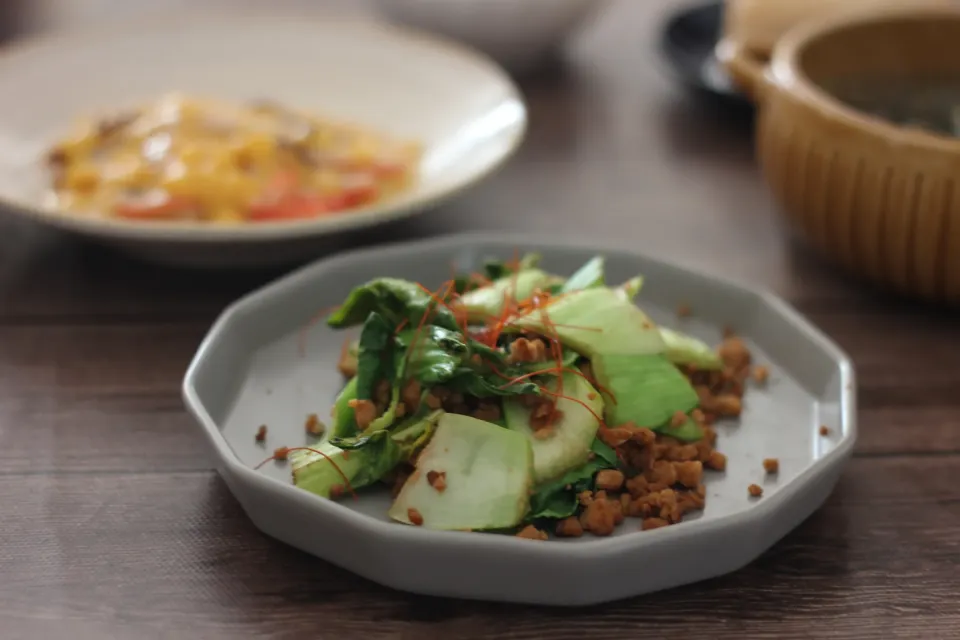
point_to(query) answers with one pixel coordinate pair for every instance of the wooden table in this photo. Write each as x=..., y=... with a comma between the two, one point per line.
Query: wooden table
x=113, y=524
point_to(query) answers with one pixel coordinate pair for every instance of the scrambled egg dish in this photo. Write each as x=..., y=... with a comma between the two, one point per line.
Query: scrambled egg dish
x=190, y=159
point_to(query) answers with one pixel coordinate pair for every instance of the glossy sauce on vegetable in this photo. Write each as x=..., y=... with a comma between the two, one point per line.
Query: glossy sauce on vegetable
x=186, y=158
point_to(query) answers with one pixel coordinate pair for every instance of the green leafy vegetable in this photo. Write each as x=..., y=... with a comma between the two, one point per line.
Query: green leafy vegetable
x=596, y=321
x=462, y=284
x=442, y=357
x=488, y=301
x=364, y=460
x=348, y=361
x=493, y=354
x=689, y=431
x=390, y=413
x=362, y=466
x=605, y=453
x=494, y=269
x=430, y=354
x=375, y=360
x=568, y=445
x=436, y=353
x=629, y=289
x=648, y=389
x=588, y=276
x=404, y=434
x=558, y=499
x=568, y=359
x=482, y=384
x=344, y=421
x=499, y=359
x=394, y=299
x=685, y=349
x=416, y=431
x=487, y=473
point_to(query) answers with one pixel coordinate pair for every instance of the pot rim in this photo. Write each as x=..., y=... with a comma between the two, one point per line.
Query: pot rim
x=784, y=73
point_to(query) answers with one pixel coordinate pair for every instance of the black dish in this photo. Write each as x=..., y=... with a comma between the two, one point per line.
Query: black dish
x=687, y=42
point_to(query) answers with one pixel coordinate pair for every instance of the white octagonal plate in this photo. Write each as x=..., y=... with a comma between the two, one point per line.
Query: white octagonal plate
x=264, y=362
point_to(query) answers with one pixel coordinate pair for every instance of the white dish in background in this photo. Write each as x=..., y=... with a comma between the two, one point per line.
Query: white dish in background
x=462, y=106
x=253, y=369
x=517, y=33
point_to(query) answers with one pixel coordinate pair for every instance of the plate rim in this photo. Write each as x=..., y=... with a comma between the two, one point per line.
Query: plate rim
x=195, y=233
x=589, y=548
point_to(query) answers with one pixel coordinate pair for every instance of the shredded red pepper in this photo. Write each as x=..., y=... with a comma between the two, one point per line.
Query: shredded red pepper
x=554, y=394
x=288, y=450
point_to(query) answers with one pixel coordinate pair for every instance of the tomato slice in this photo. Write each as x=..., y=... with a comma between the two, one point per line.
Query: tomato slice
x=304, y=206
x=283, y=182
x=352, y=197
x=291, y=207
x=389, y=170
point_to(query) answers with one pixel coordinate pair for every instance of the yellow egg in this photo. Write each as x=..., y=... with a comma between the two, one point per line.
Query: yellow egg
x=241, y=158
x=323, y=137
x=137, y=176
x=259, y=145
x=233, y=189
x=221, y=155
x=220, y=160
x=364, y=150
x=254, y=152
x=192, y=155
x=125, y=169
x=327, y=181
x=82, y=178
x=77, y=146
x=226, y=215
x=178, y=181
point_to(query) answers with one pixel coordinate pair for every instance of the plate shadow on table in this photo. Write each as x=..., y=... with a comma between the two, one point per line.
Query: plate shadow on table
x=285, y=563
x=255, y=572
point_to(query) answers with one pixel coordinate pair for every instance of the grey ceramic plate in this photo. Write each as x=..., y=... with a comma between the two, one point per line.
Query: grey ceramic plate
x=259, y=365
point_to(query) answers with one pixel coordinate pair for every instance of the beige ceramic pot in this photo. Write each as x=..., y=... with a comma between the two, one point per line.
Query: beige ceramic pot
x=880, y=199
x=758, y=24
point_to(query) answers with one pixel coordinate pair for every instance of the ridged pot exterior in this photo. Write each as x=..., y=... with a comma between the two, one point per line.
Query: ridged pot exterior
x=884, y=207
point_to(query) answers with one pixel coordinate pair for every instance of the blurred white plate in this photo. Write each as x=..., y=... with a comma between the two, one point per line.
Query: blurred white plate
x=460, y=105
x=519, y=34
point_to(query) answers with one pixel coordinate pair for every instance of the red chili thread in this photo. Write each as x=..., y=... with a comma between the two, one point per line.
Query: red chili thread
x=459, y=313
x=555, y=371
x=603, y=425
x=346, y=480
x=423, y=319
x=538, y=298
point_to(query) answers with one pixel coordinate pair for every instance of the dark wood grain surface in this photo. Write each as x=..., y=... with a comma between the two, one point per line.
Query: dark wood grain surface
x=113, y=525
